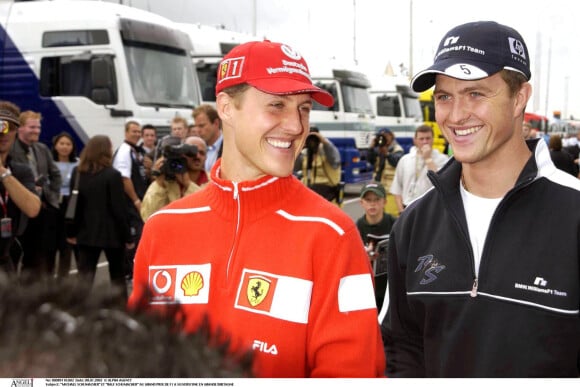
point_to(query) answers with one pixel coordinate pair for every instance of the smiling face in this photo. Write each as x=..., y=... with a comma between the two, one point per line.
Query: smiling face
x=263, y=133
x=29, y=133
x=481, y=119
x=133, y=133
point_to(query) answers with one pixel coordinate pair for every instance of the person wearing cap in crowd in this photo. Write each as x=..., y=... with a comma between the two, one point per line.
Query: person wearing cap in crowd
x=385, y=154
x=374, y=226
x=280, y=270
x=411, y=179
x=18, y=198
x=470, y=293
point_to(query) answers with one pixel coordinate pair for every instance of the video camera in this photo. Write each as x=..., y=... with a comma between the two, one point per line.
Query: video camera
x=312, y=143
x=175, y=161
x=380, y=140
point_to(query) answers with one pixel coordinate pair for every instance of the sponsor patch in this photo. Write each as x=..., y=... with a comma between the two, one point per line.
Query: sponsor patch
x=231, y=68
x=184, y=284
x=278, y=296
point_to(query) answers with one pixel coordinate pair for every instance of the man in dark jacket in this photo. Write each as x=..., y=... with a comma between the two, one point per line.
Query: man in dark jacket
x=17, y=192
x=471, y=294
x=39, y=242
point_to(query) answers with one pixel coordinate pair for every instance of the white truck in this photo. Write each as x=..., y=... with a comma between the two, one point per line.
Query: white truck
x=349, y=124
x=397, y=108
x=88, y=66
x=209, y=45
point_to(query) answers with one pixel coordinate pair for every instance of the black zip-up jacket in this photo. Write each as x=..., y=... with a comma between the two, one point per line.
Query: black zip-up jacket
x=520, y=316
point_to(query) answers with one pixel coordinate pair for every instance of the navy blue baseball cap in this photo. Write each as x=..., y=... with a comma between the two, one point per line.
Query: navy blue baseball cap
x=474, y=51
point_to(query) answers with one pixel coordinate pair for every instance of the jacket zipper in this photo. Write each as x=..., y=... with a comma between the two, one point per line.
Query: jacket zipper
x=236, y=195
x=474, y=288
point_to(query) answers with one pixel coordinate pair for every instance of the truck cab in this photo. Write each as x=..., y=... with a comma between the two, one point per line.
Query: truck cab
x=88, y=75
x=397, y=108
x=349, y=123
x=209, y=45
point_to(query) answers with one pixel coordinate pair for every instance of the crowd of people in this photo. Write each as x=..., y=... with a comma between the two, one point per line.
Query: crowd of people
x=211, y=218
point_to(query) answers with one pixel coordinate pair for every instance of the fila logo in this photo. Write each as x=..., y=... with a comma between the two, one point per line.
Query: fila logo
x=451, y=40
x=539, y=281
x=262, y=346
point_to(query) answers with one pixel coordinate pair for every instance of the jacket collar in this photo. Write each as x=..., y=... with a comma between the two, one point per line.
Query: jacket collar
x=255, y=198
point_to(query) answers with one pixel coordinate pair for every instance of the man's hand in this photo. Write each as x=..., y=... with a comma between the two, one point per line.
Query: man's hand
x=425, y=151
x=183, y=179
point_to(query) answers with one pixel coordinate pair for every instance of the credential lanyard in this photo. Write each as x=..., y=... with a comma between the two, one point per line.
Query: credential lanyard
x=4, y=202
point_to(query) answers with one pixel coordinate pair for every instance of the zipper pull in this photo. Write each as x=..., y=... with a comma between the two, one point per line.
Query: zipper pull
x=474, y=288
x=235, y=190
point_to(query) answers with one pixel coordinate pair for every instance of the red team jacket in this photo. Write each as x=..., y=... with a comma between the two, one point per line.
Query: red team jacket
x=274, y=265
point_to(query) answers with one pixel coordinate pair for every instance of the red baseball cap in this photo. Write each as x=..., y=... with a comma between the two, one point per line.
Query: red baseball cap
x=273, y=68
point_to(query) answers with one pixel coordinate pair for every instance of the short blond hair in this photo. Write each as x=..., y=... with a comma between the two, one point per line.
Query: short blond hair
x=29, y=115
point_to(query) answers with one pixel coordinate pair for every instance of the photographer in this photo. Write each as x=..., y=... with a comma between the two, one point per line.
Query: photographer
x=319, y=166
x=385, y=154
x=175, y=173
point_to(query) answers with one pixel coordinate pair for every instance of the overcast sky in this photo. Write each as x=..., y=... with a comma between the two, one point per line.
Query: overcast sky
x=322, y=29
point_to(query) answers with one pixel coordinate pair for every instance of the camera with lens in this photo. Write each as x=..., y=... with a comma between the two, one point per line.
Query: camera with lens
x=312, y=143
x=380, y=140
x=175, y=161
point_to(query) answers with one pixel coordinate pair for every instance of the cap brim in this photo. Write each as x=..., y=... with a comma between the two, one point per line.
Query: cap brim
x=285, y=86
x=374, y=190
x=464, y=70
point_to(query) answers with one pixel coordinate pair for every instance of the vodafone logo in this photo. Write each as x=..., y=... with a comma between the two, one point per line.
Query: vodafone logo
x=161, y=281
x=184, y=284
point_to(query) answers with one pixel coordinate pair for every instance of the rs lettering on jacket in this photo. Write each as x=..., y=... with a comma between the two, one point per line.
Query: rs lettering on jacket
x=430, y=268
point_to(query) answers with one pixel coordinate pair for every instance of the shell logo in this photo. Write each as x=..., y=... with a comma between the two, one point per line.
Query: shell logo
x=192, y=283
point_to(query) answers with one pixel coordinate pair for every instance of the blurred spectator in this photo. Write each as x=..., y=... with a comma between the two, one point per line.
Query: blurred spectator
x=55, y=332
x=148, y=138
x=411, y=179
x=193, y=130
x=197, y=173
x=208, y=125
x=385, y=154
x=101, y=221
x=18, y=197
x=374, y=226
x=562, y=159
x=175, y=173
x=129, y=160
x=148, y=143
x=65, y=157
x=179, y=127
x=39, y=241
x=319, y=164
x=527, y=130
x=574, y=152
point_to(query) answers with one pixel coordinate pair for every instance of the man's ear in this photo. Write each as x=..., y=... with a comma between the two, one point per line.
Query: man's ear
x=224, y=106
x=522, y=98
